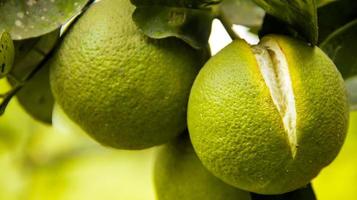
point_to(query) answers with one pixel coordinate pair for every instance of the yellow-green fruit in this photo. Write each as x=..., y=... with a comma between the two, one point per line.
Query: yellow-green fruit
x=179, y=175
x=124, y=89
x=268, y=118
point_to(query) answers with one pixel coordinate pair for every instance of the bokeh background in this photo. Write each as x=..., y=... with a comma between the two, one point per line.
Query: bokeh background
x=59, y=162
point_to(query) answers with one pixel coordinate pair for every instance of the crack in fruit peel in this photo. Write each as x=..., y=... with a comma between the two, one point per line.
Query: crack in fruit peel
x=275, y=71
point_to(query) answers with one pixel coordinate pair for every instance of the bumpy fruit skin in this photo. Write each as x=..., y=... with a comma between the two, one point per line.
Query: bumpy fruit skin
x=238, y=133
x=179, y=174
x=125, y=90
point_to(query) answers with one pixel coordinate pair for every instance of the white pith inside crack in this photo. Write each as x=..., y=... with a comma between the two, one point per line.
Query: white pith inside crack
x=275, y=71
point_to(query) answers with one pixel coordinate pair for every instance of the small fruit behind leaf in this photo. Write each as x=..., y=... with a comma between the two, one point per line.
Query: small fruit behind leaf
x=268, y=118
x=179, y=174
x=124, y=89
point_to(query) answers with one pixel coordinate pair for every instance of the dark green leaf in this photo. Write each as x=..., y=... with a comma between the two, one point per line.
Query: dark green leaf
x=7, y=53
x=341, y=47
x=31, y=52
x=273, y=25
x=306, y=193
x=243, y=12
x=351, y=85
x=31, y=56
x=335, y=15
x=36, y=97
x=191, y=25
x=32, y=18
x=300, y=14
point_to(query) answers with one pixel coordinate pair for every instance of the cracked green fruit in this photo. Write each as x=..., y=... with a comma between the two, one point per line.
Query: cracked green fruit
x=179, y=175
x=124, y=89
x=268, y=118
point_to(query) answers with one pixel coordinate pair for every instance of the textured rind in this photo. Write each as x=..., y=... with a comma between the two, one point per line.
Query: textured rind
x=179, y=175
x=124, y=89
x=237, y=132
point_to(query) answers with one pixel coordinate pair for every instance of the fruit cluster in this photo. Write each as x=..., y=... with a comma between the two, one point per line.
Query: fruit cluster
x=263, y=119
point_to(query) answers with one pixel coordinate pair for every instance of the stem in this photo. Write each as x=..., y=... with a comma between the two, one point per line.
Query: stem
x=217, y=13
x=7, y=97
x=228, y=26
x=20, y=84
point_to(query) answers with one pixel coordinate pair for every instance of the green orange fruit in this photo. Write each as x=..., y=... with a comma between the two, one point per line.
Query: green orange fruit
x=179, y=174
x=124, y=89
x=268, y=118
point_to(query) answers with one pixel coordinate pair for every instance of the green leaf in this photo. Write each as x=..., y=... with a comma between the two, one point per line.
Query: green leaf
x=31, y=52
x=31, y=55
x=7, y=53
x=300, y=14
x=306, y=193
x=32, y=18
x=243, y=12
x=351, y=85
x=335, y=15
x=191, y=25
x=341, y=47
x=35, y=96
x=273, y=25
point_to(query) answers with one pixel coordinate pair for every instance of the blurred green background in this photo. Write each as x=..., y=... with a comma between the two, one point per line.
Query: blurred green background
x=40, y=162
